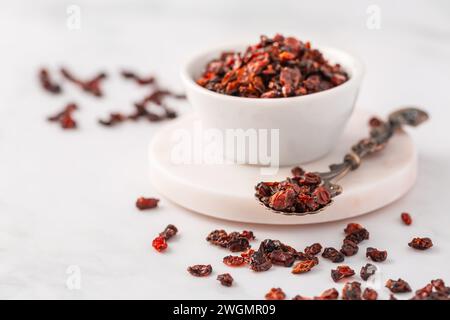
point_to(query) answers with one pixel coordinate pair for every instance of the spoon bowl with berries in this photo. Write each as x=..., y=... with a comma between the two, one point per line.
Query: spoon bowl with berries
x=311, y=192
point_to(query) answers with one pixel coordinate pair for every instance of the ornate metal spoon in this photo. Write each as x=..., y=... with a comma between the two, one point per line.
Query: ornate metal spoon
x=379, y=137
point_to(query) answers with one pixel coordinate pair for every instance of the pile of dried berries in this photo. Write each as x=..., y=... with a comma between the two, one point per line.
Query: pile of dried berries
x=200, y=270
x=301, y=193
x=160, y=242
x=93, y=86
x=64, y=118
x=234, y=241
x=435, y=290
x=274, y=68
x=421, y=243
x=143, y=203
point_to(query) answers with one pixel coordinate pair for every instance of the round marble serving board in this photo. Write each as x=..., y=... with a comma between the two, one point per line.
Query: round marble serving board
x=227, y=191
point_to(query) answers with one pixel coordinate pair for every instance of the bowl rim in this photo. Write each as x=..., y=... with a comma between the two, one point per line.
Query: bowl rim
x=357, y=73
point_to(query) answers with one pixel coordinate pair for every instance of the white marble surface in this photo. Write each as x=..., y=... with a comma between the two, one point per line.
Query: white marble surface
x=67, y=198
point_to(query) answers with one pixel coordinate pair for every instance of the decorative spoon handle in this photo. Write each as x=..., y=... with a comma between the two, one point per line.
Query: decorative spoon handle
x=380, y=134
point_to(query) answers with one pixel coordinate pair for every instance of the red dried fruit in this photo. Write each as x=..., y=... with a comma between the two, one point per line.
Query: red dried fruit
x=281, y=258
x=282, y=200
x=399, y=286
x=47, y=83
x=349, y=248
x=234, y=261
x=352, y=291
x=169, y=232
x=200, y=270
x=64, y=117
x=297, y=172
x=435, y=290
x=342, y=272
x=370, y=294
x=352, y=227
x=304, y=266
x=225, y=279
x=91, y=86
x=406, y=218
x=159, y=243
x=139, y=80
x=330, y=294
x=273, y=68
x=258, y=260
x=376, y=255
x=367, y=271
x=275, y=294
x=143, y=203
x=302, y=193
x=333, y=255
x=234, y=241
x=356, y=234
x=114, y=118
x=421, y=243
x=313, y=249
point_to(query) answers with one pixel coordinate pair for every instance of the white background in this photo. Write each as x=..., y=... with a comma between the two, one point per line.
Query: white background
x=67, y=198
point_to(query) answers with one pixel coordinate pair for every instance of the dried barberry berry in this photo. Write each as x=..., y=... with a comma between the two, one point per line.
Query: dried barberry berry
x=370, y=294
x=281, y=258
x=64, y=117
x=47, y=83
x=358, y=235
x=406, y=218
x=342, y=272
x=200, y=270
x=169, y=232
x=159, y=243
x=376, y=255
x=333, y=255
x=91, y=86
x=313, y=249
x=398, y=286
x=275, y=294
x=349, y=248
x=225, y=279
x=352, y=291
x=367, y=271
x=352, y=227
x=136, y=78
x=234, y=261
x=143, y=203
x=421, y=243
x=258, y=260
x=114, y=118
x=330, y=294
x=304, y=266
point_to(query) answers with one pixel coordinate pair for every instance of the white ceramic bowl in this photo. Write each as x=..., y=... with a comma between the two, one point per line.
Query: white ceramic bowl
x=309, y=126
